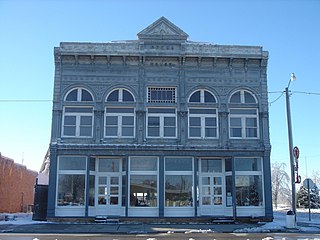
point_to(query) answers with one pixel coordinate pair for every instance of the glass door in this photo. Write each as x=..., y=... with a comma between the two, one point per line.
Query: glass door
x=211, y=191
x=108, y=190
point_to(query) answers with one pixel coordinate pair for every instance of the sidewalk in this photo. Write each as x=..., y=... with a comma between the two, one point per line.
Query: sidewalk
x=141, y=228
x=133, y=228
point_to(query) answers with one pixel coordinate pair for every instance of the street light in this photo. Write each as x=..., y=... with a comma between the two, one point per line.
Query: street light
x=293, y=187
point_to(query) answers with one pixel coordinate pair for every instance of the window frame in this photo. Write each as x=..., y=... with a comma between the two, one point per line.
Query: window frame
x=243, y=121
x=189, y=173
x=203, y=127
x=79, y=172
x=158, y=90
x=78, y=116
x=119, y=125
x=161, y=125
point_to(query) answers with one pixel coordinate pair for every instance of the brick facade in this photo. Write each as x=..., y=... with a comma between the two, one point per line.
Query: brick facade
x=16, y=186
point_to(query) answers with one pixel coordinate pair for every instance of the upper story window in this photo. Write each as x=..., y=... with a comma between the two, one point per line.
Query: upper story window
x=77, y=121
x=162, y=95
x=78, y=95
x=202, y=120
x=161, y=122
x=119, y=119
x=202, y=96
x=120, y=95
x=243, y=96
x=243, y=119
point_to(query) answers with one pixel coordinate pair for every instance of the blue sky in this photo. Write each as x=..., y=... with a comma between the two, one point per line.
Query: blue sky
x=29, y=30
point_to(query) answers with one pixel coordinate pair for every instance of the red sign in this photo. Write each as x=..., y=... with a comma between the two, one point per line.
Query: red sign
x=296, y=152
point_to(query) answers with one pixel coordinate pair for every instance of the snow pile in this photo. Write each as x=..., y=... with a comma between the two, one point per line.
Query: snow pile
x=17, y=219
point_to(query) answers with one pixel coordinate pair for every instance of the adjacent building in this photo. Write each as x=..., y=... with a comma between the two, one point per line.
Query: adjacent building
x=16, y=186
x=160, y=127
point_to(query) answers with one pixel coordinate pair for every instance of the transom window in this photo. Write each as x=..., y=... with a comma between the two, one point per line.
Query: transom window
x=120, y=95
x=161, y=94
x=77, y=122
x=78, y=95
x=243, y=96
x=119, y=122
x=202, y=96
x=161, y=122
x=243, y=120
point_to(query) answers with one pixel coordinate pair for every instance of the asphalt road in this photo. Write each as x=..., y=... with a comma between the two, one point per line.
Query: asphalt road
x=162, y=236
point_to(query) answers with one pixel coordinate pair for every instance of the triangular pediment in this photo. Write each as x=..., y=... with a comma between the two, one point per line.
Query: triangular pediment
x=162, y=29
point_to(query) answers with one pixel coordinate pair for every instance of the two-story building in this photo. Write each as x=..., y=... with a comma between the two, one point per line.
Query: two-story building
x=160, y=127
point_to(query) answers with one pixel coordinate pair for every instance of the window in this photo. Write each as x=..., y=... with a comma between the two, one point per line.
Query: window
x=119, y=122
x=243, y=117
x=178, y=182
x=71, y=181
x=203, y=121
x=143, y=181
x=161, y=94
x=243, y=123
x=79, y=95
x=161, y=122
x=202, y=96
x=77, y=122
x=249, y=187
x=120, y=95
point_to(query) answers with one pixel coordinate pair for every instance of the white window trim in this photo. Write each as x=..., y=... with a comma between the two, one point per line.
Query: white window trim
x=119, y=124
x=202, y=91
x=161, y=126
x=179, y=173
x=79, y=94
x=243, y=118
x=78, y=117
x=120, y=97
x=202, y=125
x=70, y=172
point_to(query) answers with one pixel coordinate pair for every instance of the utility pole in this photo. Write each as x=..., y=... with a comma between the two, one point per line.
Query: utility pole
x=293, y=184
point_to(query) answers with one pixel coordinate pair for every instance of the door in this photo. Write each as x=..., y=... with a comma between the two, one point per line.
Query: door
x=211, y=201
x=108, y=191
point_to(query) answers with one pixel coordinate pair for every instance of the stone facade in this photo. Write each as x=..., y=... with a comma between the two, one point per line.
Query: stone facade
x=16, y=186
x=177, y=88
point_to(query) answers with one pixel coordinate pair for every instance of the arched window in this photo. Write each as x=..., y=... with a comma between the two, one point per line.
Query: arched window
x=78, y=95
x=202, y=96
x=120, y=95
x=203, y=119
x=119, y=119
x=243, y=117
x=77, y=120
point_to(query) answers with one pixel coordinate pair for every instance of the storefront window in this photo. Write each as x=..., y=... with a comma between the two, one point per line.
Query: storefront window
x=178, y=182
x=249, y=190
x=143, y=181
x=71, y=190
x=143, y=191
x=178, y=191
x=71, y=181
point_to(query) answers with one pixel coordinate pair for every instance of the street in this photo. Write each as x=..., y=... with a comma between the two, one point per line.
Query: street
x=175, y=236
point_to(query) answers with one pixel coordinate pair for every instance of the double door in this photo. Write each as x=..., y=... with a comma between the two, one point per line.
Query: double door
x=211, y=194
x=108, y=190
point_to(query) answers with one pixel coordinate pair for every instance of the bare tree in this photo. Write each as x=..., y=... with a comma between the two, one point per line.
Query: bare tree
x=280, y=183
x=316, y=177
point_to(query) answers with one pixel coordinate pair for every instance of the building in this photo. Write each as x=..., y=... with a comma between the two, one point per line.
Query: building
x=160, y=127
x=16, y=186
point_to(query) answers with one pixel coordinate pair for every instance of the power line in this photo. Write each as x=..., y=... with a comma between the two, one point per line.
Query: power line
x=24, y=100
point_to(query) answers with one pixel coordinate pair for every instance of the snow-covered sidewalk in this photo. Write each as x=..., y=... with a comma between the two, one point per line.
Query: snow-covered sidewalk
x=278, y=225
